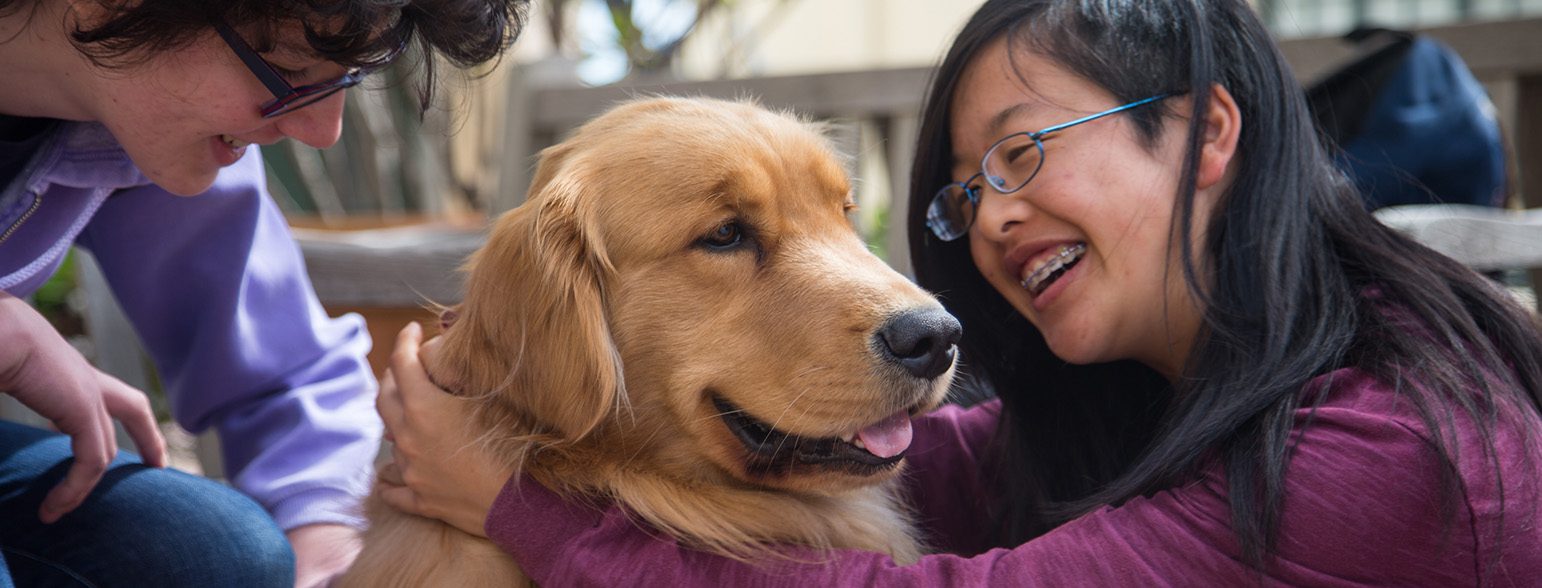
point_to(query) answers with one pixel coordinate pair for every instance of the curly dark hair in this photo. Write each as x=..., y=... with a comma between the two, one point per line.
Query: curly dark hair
x=354, y=33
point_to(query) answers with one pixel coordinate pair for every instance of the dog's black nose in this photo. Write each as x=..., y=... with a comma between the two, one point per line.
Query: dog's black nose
x=921, y=341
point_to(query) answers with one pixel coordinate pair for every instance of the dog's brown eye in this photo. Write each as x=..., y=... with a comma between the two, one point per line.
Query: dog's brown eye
x=726, y=236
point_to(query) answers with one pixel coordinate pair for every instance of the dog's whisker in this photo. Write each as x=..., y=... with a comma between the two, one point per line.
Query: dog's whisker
x=784, y=411
x=789, y=405
x=640, y=446
x=806, y=371
x=812, y=369
x=718, y=415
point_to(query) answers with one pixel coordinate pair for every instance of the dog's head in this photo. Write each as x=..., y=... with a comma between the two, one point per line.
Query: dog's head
x=685, y=291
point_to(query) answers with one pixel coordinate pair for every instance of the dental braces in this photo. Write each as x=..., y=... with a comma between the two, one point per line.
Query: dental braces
x=1066, y=255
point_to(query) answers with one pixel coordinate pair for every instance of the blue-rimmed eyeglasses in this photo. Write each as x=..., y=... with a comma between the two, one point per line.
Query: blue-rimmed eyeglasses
x=287, y=98
x=1008, y=165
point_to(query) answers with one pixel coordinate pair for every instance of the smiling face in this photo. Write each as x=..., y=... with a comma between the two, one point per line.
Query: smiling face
x=1083, y=250
x=184, y=114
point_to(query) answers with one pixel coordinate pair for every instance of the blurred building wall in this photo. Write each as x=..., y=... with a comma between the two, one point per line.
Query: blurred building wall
x=788, y=37
x=783, y=37
x=1302, y=18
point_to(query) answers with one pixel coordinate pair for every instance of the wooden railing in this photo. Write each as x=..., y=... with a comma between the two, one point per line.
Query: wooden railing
x=1506, y=56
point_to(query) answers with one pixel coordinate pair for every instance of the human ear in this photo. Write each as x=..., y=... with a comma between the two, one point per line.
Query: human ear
x=86, y=14
x=1223, y=126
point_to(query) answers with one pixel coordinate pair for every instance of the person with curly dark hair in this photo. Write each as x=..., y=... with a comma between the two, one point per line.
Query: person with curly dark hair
x=112, y=112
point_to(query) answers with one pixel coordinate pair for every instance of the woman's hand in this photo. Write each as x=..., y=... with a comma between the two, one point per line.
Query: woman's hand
x=439, y=469
x=41, y=370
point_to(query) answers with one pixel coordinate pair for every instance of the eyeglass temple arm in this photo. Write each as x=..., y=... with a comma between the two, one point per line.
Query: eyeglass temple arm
x=1099, y=115
x=264, y=72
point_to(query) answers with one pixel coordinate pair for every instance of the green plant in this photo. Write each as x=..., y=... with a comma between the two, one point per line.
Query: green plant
x=52, y=299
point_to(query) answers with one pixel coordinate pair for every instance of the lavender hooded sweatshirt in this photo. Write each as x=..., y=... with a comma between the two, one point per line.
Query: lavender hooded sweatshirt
x=217, y=291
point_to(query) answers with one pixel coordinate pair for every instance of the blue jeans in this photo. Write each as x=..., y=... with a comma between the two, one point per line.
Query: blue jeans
x=140, y=526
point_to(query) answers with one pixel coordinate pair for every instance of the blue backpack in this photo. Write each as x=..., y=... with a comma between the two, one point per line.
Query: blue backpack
x=1411, y=124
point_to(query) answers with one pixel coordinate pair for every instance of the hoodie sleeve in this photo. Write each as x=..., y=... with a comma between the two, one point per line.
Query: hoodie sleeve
x=216, y=287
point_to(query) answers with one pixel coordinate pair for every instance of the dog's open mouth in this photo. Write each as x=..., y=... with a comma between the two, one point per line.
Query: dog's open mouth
x=873, y=449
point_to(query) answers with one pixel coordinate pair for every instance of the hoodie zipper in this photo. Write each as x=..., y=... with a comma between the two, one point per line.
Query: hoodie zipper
x=37, y=201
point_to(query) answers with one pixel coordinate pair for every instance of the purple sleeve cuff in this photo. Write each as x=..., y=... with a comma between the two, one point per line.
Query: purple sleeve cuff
x=533, y=523
x=319, y=506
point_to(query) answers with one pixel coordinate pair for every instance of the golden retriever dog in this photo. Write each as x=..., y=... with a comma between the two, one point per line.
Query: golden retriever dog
x=682, y=319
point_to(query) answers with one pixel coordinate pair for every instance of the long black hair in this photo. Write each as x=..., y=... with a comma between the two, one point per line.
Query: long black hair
x=353, y=33
x=1301, y=281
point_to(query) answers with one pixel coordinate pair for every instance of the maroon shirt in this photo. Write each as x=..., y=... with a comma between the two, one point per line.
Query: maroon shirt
x=1362, y=506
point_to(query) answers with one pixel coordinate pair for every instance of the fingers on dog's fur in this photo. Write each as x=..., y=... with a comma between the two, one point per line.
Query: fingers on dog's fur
x=401, y=498
x=405, y=353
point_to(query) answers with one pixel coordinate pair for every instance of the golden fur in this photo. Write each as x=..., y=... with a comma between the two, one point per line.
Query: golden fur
x=598, y=322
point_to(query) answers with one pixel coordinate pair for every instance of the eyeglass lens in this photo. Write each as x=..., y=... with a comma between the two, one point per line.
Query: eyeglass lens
x=952, y=210
x=1013, y=161
x=1010, y=165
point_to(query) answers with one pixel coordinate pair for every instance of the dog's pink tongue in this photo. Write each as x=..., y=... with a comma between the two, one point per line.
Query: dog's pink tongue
x=889, y=437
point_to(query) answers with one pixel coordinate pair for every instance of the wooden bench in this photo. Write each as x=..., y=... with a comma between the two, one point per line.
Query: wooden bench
x=1485, y=239
x=1482, y=238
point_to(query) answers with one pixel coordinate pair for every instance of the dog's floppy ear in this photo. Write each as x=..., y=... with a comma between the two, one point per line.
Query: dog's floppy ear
x=532, y=330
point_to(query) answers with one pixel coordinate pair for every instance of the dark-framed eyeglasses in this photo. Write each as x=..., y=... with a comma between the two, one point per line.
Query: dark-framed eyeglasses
x=1008, y=165
x=287, y=98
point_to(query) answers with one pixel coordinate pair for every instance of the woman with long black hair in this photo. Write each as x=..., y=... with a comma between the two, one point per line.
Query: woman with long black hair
x=1213, y=365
